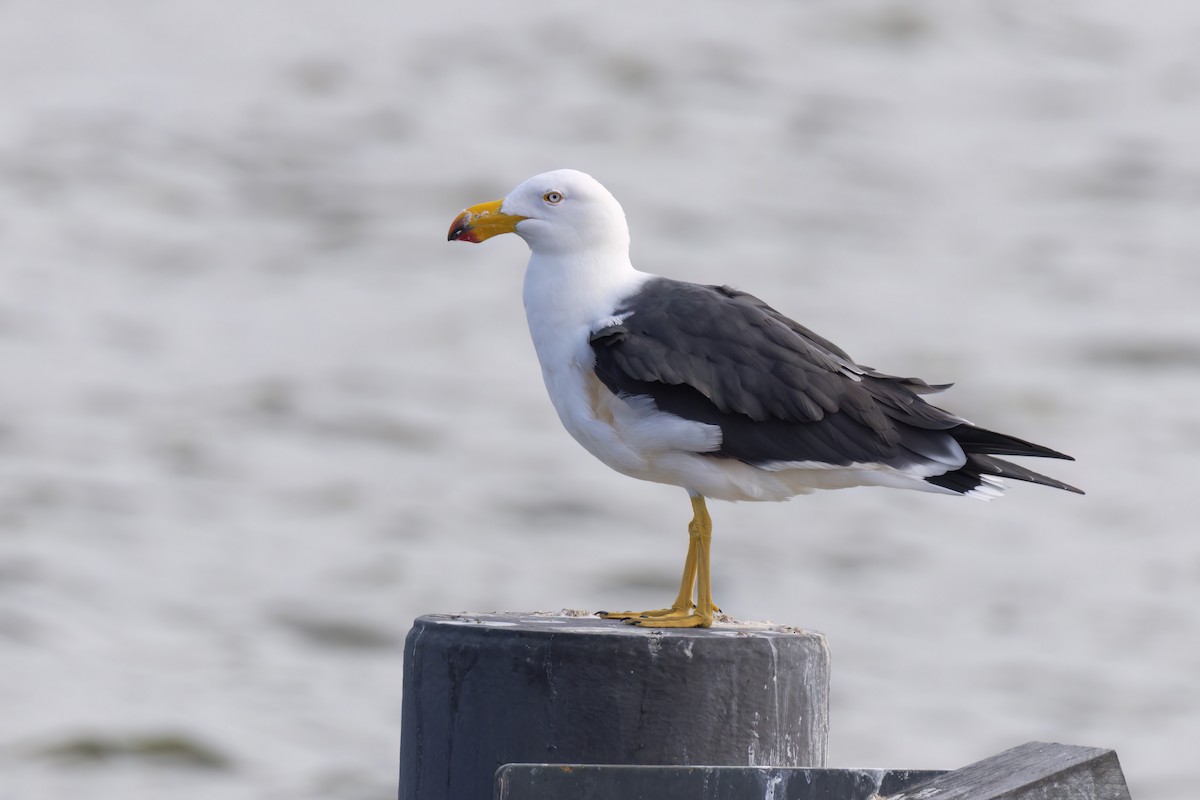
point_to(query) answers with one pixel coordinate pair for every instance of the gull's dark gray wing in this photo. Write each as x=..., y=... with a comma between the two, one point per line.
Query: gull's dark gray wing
x=781, y=393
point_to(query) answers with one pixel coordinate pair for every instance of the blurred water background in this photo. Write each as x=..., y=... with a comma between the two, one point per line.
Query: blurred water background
x=257, y=414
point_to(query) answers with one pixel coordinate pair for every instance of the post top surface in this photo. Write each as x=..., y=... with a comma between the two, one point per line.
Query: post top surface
x=584, y=622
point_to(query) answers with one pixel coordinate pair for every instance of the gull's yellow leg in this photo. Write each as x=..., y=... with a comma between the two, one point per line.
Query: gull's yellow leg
x=683, y=613
x=702, y=617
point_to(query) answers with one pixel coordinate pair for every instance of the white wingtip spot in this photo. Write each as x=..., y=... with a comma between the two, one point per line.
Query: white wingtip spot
x=989, y=488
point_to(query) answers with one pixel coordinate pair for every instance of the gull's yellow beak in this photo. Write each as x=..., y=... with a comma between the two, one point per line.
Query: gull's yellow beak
x=482, y=222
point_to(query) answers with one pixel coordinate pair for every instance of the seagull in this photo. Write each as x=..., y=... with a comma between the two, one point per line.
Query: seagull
x=710, y=389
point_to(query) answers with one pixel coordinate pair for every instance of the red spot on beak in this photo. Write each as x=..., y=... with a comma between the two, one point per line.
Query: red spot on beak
x=460, y=230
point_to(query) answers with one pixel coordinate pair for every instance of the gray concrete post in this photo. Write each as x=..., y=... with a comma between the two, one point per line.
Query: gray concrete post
x=481, y=691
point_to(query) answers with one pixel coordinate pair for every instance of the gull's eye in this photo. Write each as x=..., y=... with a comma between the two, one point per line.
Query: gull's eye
x=553, y=198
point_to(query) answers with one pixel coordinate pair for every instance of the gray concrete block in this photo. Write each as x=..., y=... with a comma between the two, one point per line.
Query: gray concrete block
x=556, y=782
x=1033, y=771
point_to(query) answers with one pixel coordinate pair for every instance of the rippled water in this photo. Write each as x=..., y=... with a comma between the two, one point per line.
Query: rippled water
x=257, y=414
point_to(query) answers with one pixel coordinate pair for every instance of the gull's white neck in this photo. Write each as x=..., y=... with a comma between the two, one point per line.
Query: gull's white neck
x=568, y=291
x=568, y=297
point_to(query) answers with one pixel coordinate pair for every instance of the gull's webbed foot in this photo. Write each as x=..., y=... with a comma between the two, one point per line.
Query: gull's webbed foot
x=629, y=616
x=673, y=618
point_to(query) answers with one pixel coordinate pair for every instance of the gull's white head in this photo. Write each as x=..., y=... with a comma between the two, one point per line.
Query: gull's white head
x=560, y=211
